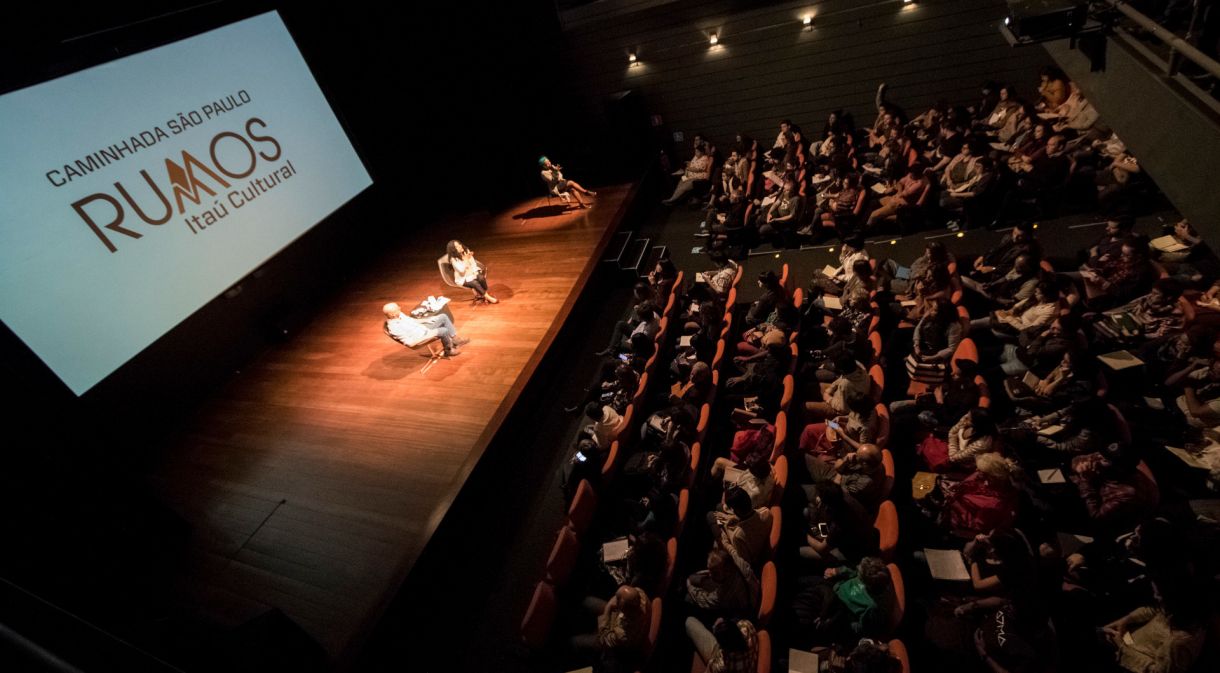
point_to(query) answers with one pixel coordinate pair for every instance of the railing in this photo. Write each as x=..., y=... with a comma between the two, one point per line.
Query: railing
x=1178, y=47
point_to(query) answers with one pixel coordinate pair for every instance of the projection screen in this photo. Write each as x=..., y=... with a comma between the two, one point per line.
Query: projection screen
x=134, y=192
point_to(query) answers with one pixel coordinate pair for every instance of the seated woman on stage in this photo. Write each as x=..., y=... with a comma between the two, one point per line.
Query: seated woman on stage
x=557, y=185
x=468, y=272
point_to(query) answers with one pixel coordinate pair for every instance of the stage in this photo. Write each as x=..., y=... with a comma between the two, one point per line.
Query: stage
x=315, y=478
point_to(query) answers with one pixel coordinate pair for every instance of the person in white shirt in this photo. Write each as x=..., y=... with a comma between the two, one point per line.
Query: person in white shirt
x=410, y=331
x=606, y=426
x=468, y=271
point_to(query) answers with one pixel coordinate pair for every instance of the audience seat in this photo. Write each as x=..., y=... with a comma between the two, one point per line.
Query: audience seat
x=781, y=480
x=741, y=270
x=984, y=391
x=610, y=467
x=539, y=616
x=769, y=582
x=583, y=508
x=563, y=557
x=671, y=563
x=719, y=356
x=696, y=453
x=883, y=425
x=1143, y=467
x=705, y=418
x=683, y=511
x=781, y=436
x=887, y=528
x=899, y=652
x=887, y=461
x=963, y=319
x=785, y=279
x=764, y=651
x=878, y=376
x=967, y=350
x=654, y=628
x=900, y=597
x=785, y=400
x=874, y=340
x=777, y=520
x=730, y=302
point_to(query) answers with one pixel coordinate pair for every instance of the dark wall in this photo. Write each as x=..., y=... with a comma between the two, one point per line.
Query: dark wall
x=767, y=67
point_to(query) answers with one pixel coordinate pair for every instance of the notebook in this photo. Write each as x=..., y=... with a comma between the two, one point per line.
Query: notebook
x=1120, y=360
x=1050, y=430
x=832, y=303
x=829, y=270
x=1187, y=457
x=1167, y=244
x=800, y=661
x=903, y=273
x=732, y=474
x=946, y=564
x=1051, y=476
x=615, y=550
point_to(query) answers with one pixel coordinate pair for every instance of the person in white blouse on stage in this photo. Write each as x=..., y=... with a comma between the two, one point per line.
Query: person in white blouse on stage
x=468, y=272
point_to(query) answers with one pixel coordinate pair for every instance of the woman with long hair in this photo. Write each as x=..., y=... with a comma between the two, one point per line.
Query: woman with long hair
x=468, y=272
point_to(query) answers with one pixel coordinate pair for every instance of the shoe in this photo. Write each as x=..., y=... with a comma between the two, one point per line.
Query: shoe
x=452, y=353
x=805, y=231
x=490, y=299
x=458, y=341
x=953, y=225
x=702, y=234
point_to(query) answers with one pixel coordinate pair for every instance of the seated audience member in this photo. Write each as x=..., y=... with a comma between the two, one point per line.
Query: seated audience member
x=697, y=171
x=840, y=530
x=973, y=434
x=782, y=216
x=1115, y=492
x=1041, y=351
x=1046, y=169
x=622, y=627
x=860, y=474
x=852, y=251
x=643, y=312
x=661, y=280
x=694, y=391
x=934, y=258
x=836, y=438
x=829, y=343
x=618, y=390
x=721, y=589
x=843, y=604
x=1053, y=88
x=1002, y=565
x=1001, y=258
x=933, y=285
x=1005, y=290
x=1157, y=313
x=1119, y=280
x=606, y=425
x=773, y=296
x=1110, y=244
x=945, y=404
x=871, y=656
x=1200, y=399
x=1051, y=390
x=753, y=443
x=841, y=212
x=1017, y=636
x=641, y=349
x=1031, y=314
x=906, y=194
x=761, y=373
x=730, y=647
x=936, y=338
x=715, y=284
x=984, y=501
x=740, y=529
x=1167, y=637
x=756, y=478
x=1085, y=425
x=852, y=377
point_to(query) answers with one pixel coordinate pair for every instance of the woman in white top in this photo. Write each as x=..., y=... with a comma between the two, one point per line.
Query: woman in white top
x=756, y=478
x=467, y=271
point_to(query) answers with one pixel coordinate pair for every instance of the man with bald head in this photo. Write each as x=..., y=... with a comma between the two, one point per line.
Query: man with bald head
x=861, y=474
x=411, y=331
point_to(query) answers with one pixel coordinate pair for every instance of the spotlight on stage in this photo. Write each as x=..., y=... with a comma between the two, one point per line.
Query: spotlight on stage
x=632, y=58
x=808, y=22
x=1034, y=21
x=714, y=39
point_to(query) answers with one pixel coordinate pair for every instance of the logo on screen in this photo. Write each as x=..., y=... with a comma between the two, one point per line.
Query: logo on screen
x=188, y=179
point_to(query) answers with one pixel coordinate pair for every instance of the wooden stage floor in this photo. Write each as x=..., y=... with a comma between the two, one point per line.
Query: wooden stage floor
x=314, y=479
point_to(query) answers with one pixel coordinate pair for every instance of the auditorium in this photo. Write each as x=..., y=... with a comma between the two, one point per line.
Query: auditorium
x=601, y=336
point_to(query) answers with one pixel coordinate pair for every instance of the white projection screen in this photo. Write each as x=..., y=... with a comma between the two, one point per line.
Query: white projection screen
x=134, y=192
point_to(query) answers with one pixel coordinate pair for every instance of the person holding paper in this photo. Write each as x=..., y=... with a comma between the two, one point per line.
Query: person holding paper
x=1167, y=637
